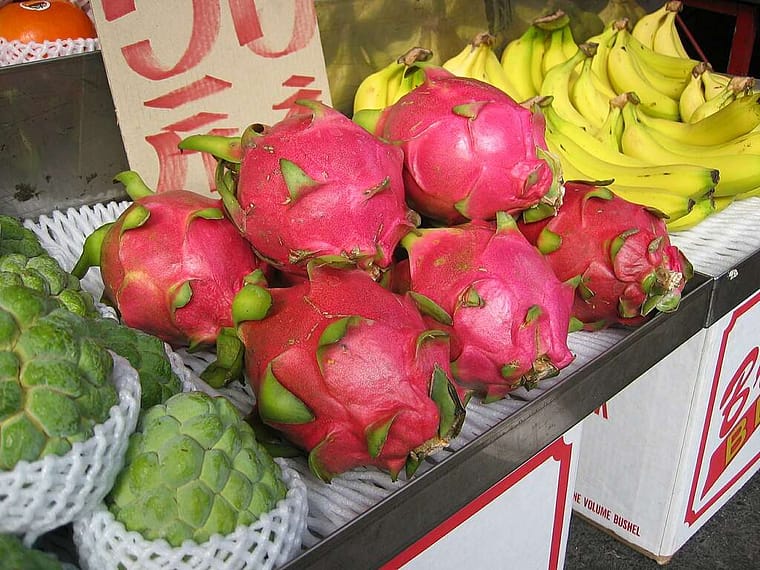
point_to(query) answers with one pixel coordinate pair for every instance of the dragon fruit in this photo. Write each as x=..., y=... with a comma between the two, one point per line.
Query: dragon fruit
x=619, y=252
x=313, y=186
x=171, y=265
x=350, y=372
x=469, y=150
x=507, y=313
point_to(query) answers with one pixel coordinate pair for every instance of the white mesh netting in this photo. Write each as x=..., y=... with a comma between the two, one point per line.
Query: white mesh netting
x=13, y=52
x=350, y=494
x=104, y=544
x=38, y=496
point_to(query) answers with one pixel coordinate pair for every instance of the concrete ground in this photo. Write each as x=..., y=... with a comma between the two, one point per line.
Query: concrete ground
x=730, y=540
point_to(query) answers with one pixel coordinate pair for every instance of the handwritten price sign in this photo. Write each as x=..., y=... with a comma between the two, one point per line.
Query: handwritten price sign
x=182, y=67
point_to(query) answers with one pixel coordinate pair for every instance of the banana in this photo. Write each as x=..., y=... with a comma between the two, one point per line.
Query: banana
x=675, y=67
x=537, y=56
x=745, y=144
x=625, y=76
x=738, y=172
x=557, y=85
x=555, y=124
x=687, y=180
x=569, y=47
x=666, y=39
x=516, y=60
x=478, y=61
x=645, y=29
x=693, y=94
x=714, y=82
x=590, y=96
x=701, y=210
x=737, y=119
x=672, y=206
x=735, y=87
x=754, y=193
x=611, y=130
x=604, y=41
x=555, y=53
x=387, y=85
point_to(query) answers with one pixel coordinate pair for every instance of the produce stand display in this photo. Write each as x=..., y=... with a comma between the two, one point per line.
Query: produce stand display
x=363, y=518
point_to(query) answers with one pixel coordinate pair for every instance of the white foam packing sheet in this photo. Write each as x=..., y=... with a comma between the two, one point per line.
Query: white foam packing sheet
x=350, y=494
x=726, y=238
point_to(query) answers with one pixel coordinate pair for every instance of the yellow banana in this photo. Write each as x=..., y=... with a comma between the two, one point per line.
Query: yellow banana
x=569, y=47
x=537, y=58
x=387, y=85
x=714, y=82
x=478, y=61
x=647, y=26
x=557, y=85
x=724, y=202
x=701, y=210
x=754, y=193
x=738, y=172
x=675, y=67
x=693, y=94
x=589, y=96
x=604, y=41
x=626, y=76
x=516, y=60
x=672, y=206
x=557, y=125
x=666, y=39
x=737, y=119
x=555, y=53
x=687, y=180
x=735, y=87
x=611, y=130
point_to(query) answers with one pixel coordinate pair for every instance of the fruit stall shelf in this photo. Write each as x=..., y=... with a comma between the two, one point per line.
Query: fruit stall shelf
x=75, y=150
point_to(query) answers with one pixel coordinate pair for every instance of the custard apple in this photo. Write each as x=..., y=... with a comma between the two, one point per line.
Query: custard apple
x=194, y=469
x=55, y=385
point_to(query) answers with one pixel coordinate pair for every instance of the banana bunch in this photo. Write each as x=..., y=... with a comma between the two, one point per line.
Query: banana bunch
x=387, y=85
x=658, y=31
x=546, y=43
x=478, y=61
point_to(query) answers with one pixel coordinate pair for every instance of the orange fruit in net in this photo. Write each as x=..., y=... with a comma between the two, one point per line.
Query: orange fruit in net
x=40, y=20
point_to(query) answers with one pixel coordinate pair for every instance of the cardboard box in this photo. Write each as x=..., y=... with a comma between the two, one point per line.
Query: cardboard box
x=520, y=522
x=667, y=452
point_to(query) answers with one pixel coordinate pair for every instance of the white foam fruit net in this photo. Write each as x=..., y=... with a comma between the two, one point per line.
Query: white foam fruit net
x=38, y=496
x=104, y=543
x=13, y=52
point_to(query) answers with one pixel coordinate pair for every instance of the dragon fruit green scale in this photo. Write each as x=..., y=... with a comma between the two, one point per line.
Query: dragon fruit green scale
x=194, y=469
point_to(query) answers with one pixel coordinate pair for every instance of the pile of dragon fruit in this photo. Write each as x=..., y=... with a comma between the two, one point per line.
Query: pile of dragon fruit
x=368, y=281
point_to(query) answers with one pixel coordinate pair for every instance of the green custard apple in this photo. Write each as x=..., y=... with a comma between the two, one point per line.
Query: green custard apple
x=55, y=385
x=194, y=469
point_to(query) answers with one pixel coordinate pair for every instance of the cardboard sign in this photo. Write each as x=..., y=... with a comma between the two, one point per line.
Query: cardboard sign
x=180, y=67
x=729, y=447
x=521, y=521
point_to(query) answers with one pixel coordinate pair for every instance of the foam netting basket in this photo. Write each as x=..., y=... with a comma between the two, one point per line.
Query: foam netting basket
x=38, y=496
x=104, y=543
x=13, y=52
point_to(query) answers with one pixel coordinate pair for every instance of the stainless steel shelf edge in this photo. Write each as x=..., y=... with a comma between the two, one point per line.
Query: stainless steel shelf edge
x=733, y=286
x=393, y=524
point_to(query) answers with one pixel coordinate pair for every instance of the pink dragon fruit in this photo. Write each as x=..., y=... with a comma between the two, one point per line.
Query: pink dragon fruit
x=507, y=313
x=469, y=150
x=619, y=252
x=172, y=264
x=350, y=372
x=313, y=186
